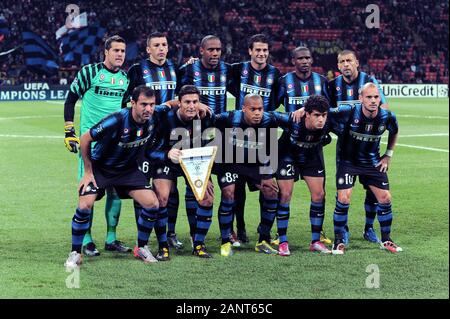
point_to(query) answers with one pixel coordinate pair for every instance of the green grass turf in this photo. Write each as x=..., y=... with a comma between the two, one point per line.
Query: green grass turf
x=38, y=197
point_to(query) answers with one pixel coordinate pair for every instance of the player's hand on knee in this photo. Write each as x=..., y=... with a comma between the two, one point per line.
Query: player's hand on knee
x=174, y=155
x=71, y=140
x=86, y=182
x=270, y=185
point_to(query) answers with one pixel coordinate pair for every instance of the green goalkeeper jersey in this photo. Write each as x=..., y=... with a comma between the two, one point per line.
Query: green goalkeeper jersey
x=100, y=90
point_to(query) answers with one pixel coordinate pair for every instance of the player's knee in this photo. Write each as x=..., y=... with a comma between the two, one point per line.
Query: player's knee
x=385, y=198
x=163, y=199
x=285, y=196
x=85, y=205
x=228, y=193
x=149, y=202
x=269, y=193
x=318, y=196
x=207, y=201
x=344, y=198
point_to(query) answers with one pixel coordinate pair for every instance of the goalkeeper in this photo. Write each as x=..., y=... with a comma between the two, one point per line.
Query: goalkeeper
x=101, y=87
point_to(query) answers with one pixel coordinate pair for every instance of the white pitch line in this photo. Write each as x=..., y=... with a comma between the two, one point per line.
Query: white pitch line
x=55, y=102
x=421, y=147
x=423, y=117
x=31, y=136
x=28, y=117
x=424, y=135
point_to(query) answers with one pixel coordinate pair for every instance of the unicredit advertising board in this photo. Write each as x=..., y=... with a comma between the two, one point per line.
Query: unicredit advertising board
x=415, y=90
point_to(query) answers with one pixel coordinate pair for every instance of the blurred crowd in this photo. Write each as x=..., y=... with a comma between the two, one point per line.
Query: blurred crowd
x=410, y=45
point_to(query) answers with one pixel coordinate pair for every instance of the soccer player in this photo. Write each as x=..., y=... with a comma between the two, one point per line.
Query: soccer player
x=112, y=162
x=243, y=132
x=360, y=129
x=259, y=77
x=297, y=86
x=209, y=74
x=344, y=89
x=101, y=87
x=160, y=74
x=175, y=125
x=300, y=153
x=212, y=77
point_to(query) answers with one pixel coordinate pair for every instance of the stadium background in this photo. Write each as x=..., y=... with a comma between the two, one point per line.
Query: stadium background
x=37, y=197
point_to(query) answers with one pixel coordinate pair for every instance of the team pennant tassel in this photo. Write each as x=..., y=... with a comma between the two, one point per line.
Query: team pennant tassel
x=197, y=165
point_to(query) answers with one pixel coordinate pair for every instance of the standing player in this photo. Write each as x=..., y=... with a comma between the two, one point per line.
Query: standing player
x=344, y=89
x=297, y=86
x=259, y=77
x=172, y=135
x=212, y=77
x=300, y=153
x=101, y=86
x=160, y=74
x=209, y=74
x=119, y=138
x=360, y=129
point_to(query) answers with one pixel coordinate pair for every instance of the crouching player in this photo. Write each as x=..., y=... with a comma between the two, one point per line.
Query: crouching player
x=176, y=132
x=119, y=139
x=244, y=132
x=301, y=154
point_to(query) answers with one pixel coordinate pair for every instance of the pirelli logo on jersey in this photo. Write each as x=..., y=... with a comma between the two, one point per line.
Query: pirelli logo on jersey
x=164, y=85
x=246, y=144
x=134, y=144
x=213, y=90
x=305, y=144
x=352, y=103
x=108, y=91
x=299, y=100
x=365, y=137
x=250, y=89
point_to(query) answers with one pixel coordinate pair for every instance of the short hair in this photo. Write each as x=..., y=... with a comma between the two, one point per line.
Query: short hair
x=317, y=103
x=298, y=49
x=257, y=38
x=366, y=86
x=208, y=38
x=114, y=38
x=188, y=89
x=347, y=52
x=155, y=34
x=142, y=89
x=252, y=96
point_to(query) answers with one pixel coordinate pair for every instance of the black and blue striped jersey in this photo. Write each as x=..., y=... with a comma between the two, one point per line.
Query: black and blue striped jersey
x=162, y=79
x=247, y=80
x=212, y=83
x=342, y=92
x=302, y=144
x=119, y=139
x=174, y=132
x=239, y=137
x=294, y=92
x=359, y=136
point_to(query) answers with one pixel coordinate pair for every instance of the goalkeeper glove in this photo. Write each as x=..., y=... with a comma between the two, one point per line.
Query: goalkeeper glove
x=71, y=140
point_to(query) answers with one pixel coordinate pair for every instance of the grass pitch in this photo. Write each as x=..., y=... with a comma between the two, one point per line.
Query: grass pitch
x=38, y=197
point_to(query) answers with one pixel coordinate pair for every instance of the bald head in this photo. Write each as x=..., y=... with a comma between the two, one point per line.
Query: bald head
x=253, y=109
x=252, y=97
x=367, y=86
